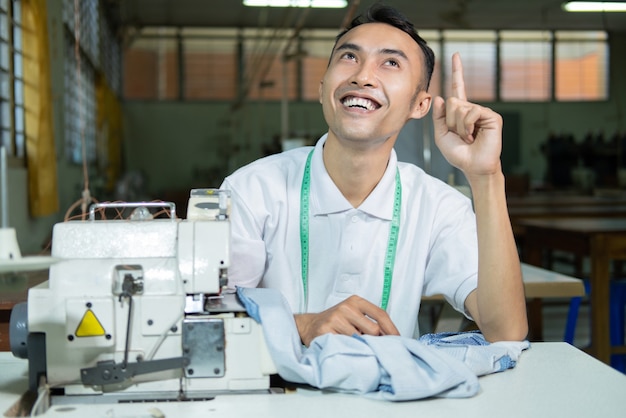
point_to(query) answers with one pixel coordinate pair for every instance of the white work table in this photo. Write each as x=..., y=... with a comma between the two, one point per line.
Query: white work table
x=550, y=380
x=543, y=283
x=539, y=284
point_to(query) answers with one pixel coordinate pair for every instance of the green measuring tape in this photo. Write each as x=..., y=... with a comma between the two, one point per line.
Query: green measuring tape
x=305, y=192
x=392, y=243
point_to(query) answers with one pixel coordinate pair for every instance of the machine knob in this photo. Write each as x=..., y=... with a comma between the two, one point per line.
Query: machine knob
x=18, y=330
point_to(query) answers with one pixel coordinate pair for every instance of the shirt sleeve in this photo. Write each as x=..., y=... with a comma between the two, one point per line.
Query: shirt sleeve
x=452, y=267
x=247, y=248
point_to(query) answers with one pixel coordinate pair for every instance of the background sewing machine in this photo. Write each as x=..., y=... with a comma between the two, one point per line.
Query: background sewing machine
x=136, y=308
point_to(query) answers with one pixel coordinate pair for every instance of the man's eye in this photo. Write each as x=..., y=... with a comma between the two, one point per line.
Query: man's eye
x=349, y=56
x=393, y=63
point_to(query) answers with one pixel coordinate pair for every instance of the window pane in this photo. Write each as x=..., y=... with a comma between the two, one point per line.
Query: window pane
x=20, y=145
x=581, y=67
x=5, y=114
x=525, y=62
x=5, y=137
x=5, y=85
x=210, y=68
x=89, y=26
x=268, y=80
x=264, y=72
x=17, y=65
x=19, y=119
x=19, y=92
x=80, y=107
x=6, y=140
x=17, y=38
x=4, y=27
x=111, y=58
x=4, y=56
x=317, y=46
x=11, y=82
x=17, y=11
x=478, y=54
x=151, y=69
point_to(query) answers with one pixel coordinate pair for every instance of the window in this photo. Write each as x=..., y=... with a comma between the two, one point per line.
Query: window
x=262, y=64
x=581, y=66
x=151, y=66
x=80, y=106
x=111, y=54
x=525, y=65
x=478, y=54
x=316, y=47
x=268, y=68
x=80, y=101
x=11, y=79
x=209, y=64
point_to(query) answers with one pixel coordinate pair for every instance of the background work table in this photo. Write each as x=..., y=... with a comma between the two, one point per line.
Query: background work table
x=539, y=284
x=542, y=283
x=600, y=240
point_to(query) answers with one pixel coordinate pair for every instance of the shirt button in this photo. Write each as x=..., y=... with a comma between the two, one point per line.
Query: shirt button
x=354, y=219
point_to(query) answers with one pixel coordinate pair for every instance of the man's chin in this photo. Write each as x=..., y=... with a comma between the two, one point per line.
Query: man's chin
x=362, y=138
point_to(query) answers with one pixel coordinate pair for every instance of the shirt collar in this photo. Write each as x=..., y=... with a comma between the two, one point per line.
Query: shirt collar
x=326, y=197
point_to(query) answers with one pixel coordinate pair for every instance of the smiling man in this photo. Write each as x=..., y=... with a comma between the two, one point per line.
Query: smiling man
x=352, y=237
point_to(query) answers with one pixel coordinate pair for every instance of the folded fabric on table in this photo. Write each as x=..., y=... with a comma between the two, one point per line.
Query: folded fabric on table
x=384, y=367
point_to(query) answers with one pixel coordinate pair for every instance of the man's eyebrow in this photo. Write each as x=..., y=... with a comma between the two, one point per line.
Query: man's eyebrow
x=389, y=51
x=348, y=46
x=385, y=51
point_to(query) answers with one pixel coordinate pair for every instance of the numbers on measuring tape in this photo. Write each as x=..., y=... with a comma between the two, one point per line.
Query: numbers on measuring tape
x=392, y=243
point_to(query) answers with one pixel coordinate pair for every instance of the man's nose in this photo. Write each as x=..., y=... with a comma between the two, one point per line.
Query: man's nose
x=364, y=76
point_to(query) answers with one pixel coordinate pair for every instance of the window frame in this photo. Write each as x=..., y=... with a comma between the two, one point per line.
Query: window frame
x=439, y=40
x=12, y=107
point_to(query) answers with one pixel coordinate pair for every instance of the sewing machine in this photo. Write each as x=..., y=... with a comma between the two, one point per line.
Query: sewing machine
x=138, y=309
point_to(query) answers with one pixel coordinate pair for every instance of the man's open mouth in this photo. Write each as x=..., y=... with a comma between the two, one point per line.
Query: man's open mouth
x=359, y=102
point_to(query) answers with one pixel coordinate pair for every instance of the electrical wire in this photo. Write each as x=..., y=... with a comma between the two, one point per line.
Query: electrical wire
x=86, y=199
x=119, y=214
x=42, y=393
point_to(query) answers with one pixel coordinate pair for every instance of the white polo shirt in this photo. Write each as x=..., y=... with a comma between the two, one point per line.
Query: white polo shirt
x=436, y=253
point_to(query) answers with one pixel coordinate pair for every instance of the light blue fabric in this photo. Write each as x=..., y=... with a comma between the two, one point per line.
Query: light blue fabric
x=386, y=367
x=477, y=353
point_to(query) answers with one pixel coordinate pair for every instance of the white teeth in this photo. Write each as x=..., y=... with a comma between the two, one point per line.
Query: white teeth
x=359, y=102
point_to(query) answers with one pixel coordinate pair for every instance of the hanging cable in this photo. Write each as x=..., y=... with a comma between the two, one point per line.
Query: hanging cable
x=85, y=198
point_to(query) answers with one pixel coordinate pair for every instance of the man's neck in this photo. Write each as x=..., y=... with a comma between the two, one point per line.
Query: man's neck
x=356, y=172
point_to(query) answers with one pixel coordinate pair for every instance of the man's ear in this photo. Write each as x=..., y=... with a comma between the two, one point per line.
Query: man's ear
x=422, y=104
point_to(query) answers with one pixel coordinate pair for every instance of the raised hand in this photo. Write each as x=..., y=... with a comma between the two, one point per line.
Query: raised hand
x=355, y=315
x=468, y=135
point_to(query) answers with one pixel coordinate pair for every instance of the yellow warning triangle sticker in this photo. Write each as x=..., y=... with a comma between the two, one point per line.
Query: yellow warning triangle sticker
x=89, y=326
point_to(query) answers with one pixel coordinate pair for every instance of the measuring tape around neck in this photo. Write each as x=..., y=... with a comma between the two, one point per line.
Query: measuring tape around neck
x=392, y=243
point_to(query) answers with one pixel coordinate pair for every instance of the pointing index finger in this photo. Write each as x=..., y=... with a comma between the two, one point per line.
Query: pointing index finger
x=458, y=83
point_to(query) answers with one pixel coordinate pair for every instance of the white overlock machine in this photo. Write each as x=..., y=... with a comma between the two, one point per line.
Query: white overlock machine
x=138, y=309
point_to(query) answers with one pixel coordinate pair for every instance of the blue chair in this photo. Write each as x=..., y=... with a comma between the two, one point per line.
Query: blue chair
x=616, y=326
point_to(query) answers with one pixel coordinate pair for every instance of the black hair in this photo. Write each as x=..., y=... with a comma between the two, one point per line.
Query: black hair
x=379, y=13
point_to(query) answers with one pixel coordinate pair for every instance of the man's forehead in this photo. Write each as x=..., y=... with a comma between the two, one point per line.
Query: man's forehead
x=381, y=36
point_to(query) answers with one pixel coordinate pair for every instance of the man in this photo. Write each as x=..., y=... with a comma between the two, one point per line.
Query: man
x=352, y=237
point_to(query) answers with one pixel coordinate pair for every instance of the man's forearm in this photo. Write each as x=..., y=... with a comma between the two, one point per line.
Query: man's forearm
x=500, y=304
